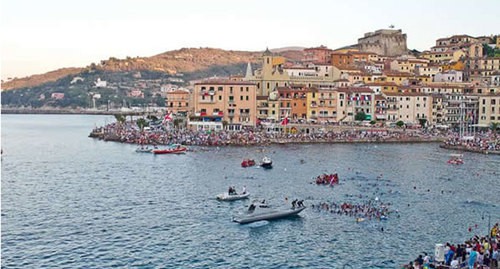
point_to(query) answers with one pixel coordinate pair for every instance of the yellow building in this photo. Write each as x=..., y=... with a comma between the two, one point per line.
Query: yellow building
x=409, y=107
x=273, y=74
x=327, y=105
x=489, y=109
x=312, y=99
x=399, y=78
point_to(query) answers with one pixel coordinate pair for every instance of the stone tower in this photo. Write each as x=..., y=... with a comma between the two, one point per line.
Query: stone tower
x=387, y=42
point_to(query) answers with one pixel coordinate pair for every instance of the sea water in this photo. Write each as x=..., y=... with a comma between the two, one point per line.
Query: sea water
x=69, y=201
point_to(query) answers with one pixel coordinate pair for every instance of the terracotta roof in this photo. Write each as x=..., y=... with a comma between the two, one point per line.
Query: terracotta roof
x=224, y=82
x=297, y=67
x=355, y=90
x=381, y=84
x=405, y=94
x=285, y=89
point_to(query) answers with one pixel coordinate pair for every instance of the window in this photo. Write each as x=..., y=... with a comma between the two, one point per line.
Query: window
x=241, y=98
x=247, y=89
x=247, y=98
x=219, y=89
x=220, y=97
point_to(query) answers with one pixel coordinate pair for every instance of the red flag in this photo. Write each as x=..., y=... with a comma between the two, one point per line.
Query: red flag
x=285, y=120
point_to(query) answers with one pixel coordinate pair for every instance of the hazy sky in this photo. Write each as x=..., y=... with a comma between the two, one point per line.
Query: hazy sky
x=43, y=35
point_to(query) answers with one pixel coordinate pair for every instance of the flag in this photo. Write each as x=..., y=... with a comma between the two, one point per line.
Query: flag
x=285, y=120
x=167, y=117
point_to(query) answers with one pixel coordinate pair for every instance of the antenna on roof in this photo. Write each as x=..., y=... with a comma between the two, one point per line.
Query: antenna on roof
x=391, y=26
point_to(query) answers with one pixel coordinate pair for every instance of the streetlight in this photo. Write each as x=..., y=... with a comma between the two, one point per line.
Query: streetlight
x=489, y=224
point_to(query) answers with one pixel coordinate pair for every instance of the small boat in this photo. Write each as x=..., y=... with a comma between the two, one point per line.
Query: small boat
x=267, y=163
x=456, y=159
x=172, y=149
x=258, y=213
x=247, y=163
x=232, y=197
x=144, y=150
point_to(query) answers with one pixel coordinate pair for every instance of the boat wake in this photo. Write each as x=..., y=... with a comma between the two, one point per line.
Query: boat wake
x=258, y=224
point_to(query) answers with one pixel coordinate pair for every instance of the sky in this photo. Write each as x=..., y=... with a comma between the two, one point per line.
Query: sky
x=39, y=36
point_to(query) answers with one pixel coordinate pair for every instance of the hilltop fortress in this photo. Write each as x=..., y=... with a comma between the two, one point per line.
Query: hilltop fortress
x=385, y=42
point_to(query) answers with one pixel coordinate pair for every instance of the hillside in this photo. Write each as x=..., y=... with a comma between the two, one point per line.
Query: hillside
x=185, y=60
x=36, y=80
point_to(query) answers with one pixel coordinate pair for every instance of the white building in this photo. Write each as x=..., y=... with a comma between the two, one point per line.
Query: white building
x=101, y=83
x=449, y=76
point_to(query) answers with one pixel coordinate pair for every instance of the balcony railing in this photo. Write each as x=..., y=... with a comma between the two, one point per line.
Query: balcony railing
x=207, y=101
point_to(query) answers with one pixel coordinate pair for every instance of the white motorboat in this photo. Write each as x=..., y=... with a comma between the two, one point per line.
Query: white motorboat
x=267, y=163
x=258, y=213
x=232, y=197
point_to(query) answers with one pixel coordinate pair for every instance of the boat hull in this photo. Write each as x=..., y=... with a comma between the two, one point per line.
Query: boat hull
x=170, y=151
x=270, y=215
x=233, y=197
x=267, y=165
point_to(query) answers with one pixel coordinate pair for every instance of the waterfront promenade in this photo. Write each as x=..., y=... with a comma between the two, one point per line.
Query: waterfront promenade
x=129, y=133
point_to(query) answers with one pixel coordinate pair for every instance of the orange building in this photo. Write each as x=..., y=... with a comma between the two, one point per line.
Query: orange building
x=178, y=101
x=234, y=102
x=293, y=102
x=342, y=60
x=320, y=54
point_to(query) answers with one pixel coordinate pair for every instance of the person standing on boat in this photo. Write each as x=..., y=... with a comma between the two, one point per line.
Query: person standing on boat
x=244, y=190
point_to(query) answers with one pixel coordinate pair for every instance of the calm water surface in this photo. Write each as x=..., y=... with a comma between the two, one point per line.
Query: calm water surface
x=69, y=201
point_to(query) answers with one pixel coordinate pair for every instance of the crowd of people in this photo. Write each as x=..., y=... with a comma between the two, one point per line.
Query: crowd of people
x=476, y=252
x=327, y=179
x=483, y=141
x=128, y=132
x=371, y=209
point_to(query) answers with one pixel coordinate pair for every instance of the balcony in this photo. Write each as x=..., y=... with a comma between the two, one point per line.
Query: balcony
x=207, y=101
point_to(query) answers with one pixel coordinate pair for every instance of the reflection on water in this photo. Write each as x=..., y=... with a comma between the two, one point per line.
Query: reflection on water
x=71, y=201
